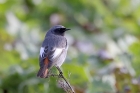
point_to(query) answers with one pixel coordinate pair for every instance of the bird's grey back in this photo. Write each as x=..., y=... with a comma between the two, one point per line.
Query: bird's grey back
x=55, y=41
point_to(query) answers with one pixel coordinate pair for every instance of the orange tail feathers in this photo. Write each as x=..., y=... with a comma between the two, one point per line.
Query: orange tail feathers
x=42, y=73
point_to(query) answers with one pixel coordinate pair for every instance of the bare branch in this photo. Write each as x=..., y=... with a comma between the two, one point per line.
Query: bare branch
x=65, y=85
x=61, y=76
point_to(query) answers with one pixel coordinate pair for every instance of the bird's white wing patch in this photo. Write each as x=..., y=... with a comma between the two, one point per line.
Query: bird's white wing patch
x=57, y=52
x=41, y=51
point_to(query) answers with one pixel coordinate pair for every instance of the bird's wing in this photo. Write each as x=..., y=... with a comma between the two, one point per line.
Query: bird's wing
x=48, y=57
x=52, y=54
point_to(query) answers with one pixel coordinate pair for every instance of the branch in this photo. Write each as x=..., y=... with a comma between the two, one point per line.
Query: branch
x=63, y=85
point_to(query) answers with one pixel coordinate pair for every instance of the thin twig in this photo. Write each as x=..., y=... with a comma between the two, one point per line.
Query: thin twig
x=61, y=76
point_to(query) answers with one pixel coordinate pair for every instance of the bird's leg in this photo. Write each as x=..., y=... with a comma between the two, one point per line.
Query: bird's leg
x=60, y=72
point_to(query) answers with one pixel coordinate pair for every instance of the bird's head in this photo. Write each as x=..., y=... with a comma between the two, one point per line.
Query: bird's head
x=59, y=30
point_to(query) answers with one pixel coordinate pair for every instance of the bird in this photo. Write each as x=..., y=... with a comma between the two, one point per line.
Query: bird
x=53, y=50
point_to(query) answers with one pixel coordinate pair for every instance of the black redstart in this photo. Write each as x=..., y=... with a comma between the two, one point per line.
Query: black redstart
x=53, y=50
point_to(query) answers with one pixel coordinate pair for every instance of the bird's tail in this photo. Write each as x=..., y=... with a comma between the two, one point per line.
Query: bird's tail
x=43, y=71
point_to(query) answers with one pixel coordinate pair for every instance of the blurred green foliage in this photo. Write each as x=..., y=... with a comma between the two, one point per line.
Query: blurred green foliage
x=104, y=41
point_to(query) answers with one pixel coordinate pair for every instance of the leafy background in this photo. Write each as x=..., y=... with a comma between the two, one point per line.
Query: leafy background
x=104, y=45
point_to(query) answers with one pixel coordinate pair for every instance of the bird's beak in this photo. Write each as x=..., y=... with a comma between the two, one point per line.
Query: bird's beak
x=67, y=29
